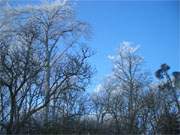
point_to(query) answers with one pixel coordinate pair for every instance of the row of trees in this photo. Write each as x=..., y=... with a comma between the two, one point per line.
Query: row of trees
x=44, y=73
x=43, y=64
x=129, y=102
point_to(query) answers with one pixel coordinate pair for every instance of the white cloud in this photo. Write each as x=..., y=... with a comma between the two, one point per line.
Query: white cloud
x=128, y=47
x=98, y=88
x=110, y=57
x=126, y=43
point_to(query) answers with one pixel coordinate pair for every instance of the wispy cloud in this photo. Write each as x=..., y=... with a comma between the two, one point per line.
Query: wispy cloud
x=98, y=88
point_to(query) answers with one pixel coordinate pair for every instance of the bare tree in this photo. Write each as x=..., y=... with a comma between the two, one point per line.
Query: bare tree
x=168, y=94
x=124, y=91
x=35, y=65
x=132, y=82
x=19, y=64
x=55, y=21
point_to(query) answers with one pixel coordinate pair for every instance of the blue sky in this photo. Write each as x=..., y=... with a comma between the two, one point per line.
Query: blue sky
x=152, y=24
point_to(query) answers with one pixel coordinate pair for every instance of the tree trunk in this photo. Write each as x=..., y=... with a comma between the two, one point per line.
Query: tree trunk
x=47, y=83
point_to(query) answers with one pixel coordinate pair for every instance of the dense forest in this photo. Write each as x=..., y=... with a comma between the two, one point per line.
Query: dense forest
x=45, y=72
